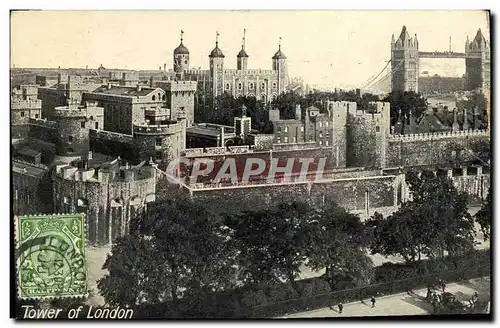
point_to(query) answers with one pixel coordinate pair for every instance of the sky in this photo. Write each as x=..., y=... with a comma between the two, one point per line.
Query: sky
x=332, y=48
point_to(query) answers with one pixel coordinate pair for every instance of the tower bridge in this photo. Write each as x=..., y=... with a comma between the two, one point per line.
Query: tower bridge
x=402, y=69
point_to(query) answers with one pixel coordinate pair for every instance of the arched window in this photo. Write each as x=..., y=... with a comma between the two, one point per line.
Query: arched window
x=240, y=86
x=228, y=86
x=163, y=97
x=153, y=98
x=251, y=86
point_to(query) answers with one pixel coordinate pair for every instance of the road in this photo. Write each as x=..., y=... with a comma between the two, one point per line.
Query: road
x=402, y=304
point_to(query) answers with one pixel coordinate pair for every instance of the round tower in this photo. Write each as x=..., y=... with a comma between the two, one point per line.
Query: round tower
x=181, y=59
x=73, y=124
x=280, y=65
x=242, y=57
x=216, y=58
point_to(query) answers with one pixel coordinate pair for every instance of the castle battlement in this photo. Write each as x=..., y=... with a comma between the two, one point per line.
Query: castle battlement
x=25, y=104
x=438, y=135
x=172, y=128
x=245, y=72
x=195, y=72
x=108, y=135
x=178, y=85
x=76, y=110
x=43, y=123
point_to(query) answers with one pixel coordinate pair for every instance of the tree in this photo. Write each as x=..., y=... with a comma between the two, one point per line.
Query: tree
x=134, y=276
x=180, y=246
x=409, y=102
x=433, y=221
x=336, y=240
x=270, y=242
x=483, y=216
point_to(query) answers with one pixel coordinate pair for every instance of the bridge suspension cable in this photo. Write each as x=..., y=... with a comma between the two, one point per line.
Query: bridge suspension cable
x=391, y=72
x=374, y=77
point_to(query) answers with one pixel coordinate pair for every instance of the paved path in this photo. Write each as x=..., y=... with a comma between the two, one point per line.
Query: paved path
x=401, y=304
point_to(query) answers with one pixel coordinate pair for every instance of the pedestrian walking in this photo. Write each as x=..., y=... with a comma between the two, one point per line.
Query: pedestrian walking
x=474, y=298
x=429, y=294
x=373, y=301
x=443, y=284
x=341, y=307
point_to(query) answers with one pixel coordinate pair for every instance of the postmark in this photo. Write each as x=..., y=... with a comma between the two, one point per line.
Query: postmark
x=51, y=256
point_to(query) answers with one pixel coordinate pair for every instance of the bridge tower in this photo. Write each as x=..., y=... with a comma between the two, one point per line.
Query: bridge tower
x=404, y=62
x=477, y=63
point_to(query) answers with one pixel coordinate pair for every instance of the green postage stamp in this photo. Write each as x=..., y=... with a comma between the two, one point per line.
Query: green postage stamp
x=51, y=256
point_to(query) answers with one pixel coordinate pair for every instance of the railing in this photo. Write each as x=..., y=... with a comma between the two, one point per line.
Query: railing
x=357, y=294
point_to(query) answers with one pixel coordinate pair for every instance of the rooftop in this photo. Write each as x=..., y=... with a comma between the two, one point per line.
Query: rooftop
x=27, y=169
x=125, y=91
x=203, y=131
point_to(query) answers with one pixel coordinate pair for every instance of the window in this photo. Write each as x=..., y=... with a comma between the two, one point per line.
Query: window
x=185, y=62
x=302, y=128
x=294, y=139
x=158, y=141
x=326, y=123
x=321, y=134
x=228, y=86
x=286, y=128
x=153, y=98
x=321, y=143
x=262, y=85
x=70, y=150
x=251, y=86
x=286, y=139
x=163, y=97
x=240, y=86
x=320, y=124
x=22, y=114
x=97, y=125
x=158, y=154
x=36, y=115
x=70, y=138
x=327, y=143
x=274, y=85
x=377, y=129
x=278, y=129
x=82, y=124
x=278, y=140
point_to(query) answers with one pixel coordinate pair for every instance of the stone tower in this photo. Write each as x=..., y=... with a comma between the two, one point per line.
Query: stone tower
x=404, y=62
x=242, y=57
x=181, y=59
x=216, y=68
x=477, y=63
x=280, y=65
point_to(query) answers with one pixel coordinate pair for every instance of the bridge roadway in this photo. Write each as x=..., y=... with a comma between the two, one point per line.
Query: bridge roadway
x=440, y=54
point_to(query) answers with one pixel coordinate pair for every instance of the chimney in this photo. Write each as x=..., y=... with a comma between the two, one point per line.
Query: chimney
x=109, y=85
x=138, y=88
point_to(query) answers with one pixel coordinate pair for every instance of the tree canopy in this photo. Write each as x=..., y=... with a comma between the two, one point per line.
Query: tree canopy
x=409, y=102
x=435, y=220
x=336, y=241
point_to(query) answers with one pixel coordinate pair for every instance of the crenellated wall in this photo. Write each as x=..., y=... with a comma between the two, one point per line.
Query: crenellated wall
x=110, y=198
x=433, y=148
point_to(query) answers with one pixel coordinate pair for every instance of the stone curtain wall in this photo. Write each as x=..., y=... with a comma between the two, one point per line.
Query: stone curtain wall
x=432, y=149
x=349, y=193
